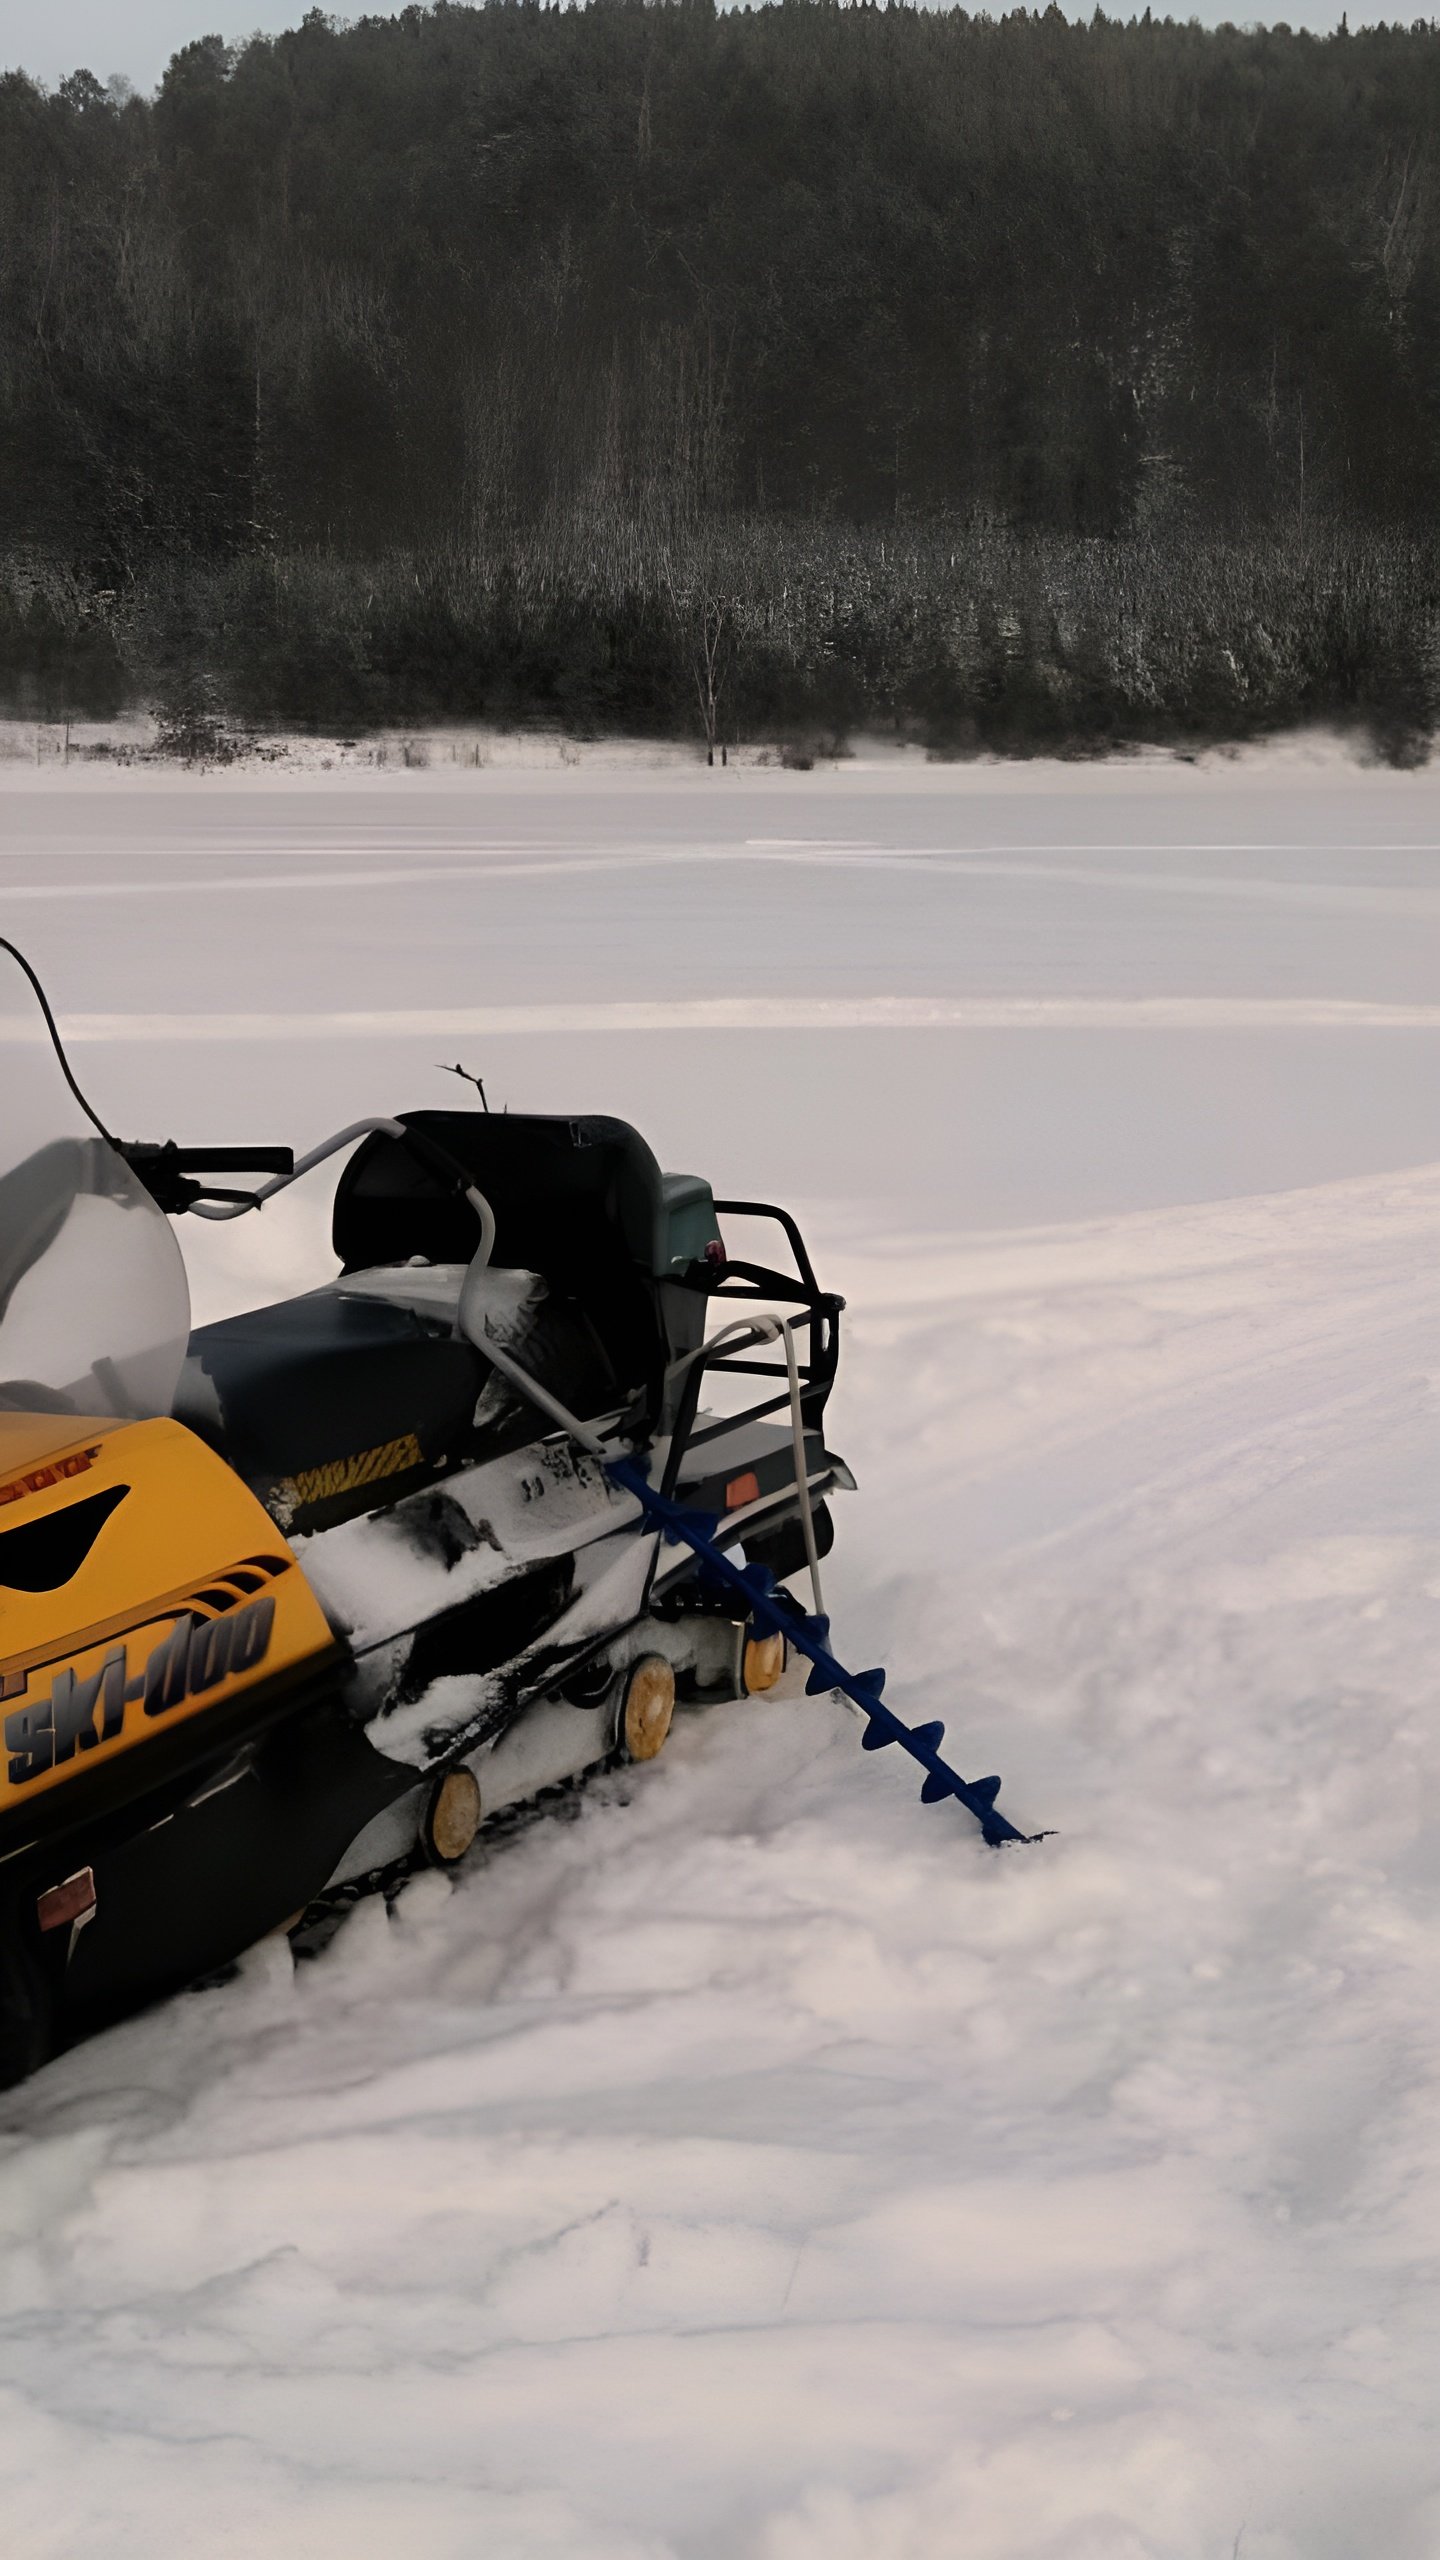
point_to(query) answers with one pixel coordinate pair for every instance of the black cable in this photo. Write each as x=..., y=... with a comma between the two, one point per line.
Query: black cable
x=51, y=1026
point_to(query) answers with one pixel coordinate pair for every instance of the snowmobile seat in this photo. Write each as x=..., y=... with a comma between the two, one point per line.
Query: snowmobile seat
x=581, y=1201
x=333, y=1396
x=325, y=1387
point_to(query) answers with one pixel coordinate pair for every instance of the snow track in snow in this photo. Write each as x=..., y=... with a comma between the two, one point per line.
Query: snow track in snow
x=787, y=1013
x=1125, y=1388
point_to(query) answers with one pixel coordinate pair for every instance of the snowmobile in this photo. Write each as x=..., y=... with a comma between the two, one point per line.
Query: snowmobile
x=299, y=1600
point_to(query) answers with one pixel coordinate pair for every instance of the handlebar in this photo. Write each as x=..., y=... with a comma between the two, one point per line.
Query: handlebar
x=229, y=1159
x=168, y=1171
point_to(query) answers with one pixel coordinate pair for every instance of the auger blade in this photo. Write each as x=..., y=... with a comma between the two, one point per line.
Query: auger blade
x=811, y=1637
x=997, y=1833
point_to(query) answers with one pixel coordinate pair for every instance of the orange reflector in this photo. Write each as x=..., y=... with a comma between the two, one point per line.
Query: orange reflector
x=40, y=1478
x=740, y=1490
x=72, y=1900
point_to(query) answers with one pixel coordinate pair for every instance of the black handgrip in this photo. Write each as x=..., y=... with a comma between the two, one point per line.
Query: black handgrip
x=167, y=1170
x=234, y=1159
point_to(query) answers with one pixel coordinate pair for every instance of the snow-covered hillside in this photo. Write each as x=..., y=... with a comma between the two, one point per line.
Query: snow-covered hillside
x=757, y=2168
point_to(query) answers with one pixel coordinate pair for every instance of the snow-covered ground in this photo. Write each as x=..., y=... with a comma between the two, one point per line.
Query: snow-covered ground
x=756, y=2168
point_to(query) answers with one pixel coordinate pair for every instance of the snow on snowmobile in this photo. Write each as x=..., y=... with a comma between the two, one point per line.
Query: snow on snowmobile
x=300, y=1600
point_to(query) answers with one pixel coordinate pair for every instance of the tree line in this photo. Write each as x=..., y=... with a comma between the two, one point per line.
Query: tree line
x=649, y=365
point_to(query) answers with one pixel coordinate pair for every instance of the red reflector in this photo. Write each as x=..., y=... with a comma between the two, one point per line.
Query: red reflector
x=740, y=1490
x=72, y=1900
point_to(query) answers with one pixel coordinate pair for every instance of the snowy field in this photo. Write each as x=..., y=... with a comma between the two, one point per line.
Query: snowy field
x=757, y=2168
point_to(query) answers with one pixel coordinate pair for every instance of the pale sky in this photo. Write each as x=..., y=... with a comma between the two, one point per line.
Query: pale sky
x=50, y=37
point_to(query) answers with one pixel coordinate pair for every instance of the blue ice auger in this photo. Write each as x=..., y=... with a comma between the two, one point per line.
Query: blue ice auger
x=775, y=1613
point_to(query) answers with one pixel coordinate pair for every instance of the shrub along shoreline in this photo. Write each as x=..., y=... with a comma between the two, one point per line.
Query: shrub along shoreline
x=761, y=631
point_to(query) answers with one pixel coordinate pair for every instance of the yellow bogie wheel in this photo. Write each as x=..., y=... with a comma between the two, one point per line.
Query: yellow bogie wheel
x=649, y=1706
x=452, y=1817
x=762, y=1663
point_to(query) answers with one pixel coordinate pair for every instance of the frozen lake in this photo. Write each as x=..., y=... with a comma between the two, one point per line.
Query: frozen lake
x=1138, y=958
x=756, y=2168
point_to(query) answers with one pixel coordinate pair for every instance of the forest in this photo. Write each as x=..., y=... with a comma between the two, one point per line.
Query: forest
x=769, y=372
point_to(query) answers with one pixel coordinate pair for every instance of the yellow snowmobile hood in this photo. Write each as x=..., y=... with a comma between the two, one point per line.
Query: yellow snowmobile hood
x=142, y=1586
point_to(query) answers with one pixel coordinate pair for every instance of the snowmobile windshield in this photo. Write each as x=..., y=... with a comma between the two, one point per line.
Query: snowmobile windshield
x=94, y=1307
